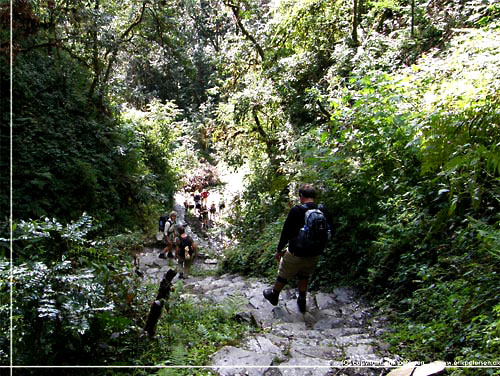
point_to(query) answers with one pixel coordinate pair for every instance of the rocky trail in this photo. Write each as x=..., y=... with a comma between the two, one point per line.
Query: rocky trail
x=339, y=331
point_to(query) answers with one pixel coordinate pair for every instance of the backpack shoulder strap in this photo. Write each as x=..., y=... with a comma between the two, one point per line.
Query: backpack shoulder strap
x=306, y=207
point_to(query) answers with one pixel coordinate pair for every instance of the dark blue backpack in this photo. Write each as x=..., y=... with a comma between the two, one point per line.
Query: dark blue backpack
x=161, y=223
x=314, y=234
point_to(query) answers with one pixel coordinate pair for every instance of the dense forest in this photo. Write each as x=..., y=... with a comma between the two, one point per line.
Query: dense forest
x=390, y=107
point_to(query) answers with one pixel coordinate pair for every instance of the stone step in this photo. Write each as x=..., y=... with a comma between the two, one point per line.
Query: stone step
x=337, y=329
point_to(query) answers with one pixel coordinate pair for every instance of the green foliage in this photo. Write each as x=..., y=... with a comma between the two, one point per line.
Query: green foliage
x=454, y=310
x=154, y=132
x=254, y=256
x=408, y=165
x=261, y=202
x=190, y=331
x=399, y=131
x=199, y=330
x=47, y=239
x=68, y=312
x=71, y=311
x=68, y=157
x=53, y=310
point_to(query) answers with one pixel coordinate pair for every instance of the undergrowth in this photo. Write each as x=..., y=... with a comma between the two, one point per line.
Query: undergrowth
x=81, y=301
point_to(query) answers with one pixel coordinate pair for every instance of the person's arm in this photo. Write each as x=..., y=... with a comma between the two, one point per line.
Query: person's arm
x=195, y=249
x=329, y=220
x=284, y=237
x=176, y=255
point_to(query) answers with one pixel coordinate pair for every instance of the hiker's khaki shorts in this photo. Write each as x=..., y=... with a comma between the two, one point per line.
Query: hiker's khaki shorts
x=291, y=265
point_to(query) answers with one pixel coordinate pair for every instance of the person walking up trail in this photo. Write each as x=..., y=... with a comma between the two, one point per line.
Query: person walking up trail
x=306, y=231
x=169, y=236
x=213, y=212
x=197, y=198
x=185, y=251
x=204, y=216
x=222, y=205
x=204, y=197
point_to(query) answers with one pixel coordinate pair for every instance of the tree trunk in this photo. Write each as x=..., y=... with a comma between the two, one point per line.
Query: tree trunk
x=236, y=12
x=412, y=32
x=354, y=34
x=95, y=52
x=159, y=303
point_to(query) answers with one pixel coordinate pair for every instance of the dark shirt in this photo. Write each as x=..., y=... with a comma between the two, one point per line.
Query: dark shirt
x=295, y=221
x=182, y=243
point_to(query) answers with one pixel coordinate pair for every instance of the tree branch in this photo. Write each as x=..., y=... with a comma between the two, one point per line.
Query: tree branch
x=324, y=110
x=258, y=126
x=121, y=40
x=236, y=11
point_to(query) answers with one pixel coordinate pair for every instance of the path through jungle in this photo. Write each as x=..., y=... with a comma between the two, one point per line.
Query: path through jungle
x=339, y=329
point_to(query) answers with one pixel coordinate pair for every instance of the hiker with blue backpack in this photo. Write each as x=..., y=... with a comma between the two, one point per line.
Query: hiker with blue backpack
x=306, y=231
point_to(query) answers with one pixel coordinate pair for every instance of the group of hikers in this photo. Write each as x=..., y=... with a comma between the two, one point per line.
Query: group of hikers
x=179, y=245
x=306, y=231
x=206, y=213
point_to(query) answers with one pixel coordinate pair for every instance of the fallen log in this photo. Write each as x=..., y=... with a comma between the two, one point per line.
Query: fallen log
x=159, y=303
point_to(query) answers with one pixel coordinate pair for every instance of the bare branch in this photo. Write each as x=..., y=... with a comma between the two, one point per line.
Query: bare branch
x=236, y=12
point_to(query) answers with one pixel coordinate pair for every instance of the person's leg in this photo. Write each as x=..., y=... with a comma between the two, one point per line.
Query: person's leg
x=302, y=283
x=169, y=250
x=279, y=284
x=302, y=287
x=287, y=270
x=163, y=253
x=308, y=266
x=273, y=294
x=187, y=267
x=180, y=266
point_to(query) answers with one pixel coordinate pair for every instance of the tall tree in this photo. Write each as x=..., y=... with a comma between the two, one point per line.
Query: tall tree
x=355, y=22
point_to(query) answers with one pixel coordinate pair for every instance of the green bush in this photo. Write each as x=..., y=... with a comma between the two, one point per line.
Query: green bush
x=71, y=295
x=254, y=255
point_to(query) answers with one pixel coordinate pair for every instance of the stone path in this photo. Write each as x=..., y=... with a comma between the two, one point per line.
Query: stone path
x=337, y=330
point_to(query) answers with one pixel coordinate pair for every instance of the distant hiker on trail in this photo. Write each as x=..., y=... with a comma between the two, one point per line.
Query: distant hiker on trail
x=306, y=230
x=222, y=205
x=213, y=211
x=185, y=251
x=197, y=198
x=204, y=216
x=186, y=206
x=204, y=197
x=169, y=236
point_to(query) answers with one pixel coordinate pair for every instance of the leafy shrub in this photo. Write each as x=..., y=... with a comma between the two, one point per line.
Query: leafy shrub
x=74, y=299
x=193, y=331
x=254, y=255
x=72, y=154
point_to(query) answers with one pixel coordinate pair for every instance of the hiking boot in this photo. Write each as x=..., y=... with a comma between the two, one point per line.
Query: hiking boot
x=271, y=296
x=162, y=255
x=301, y=303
